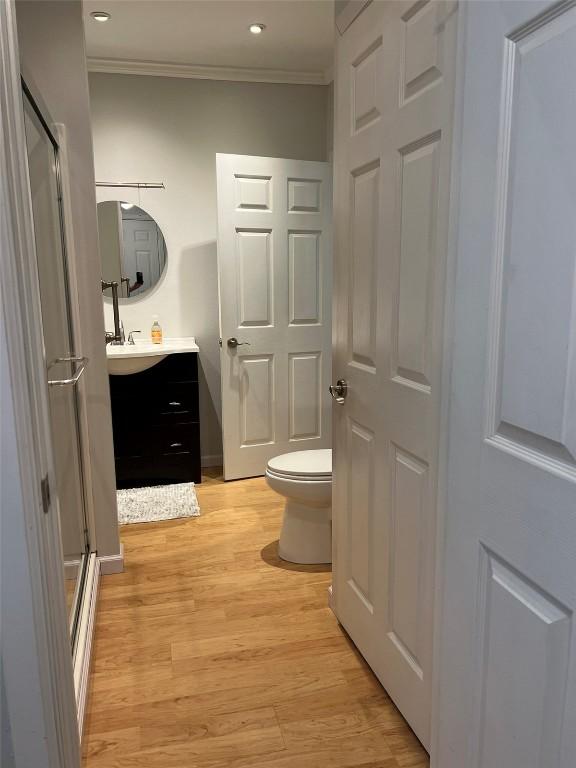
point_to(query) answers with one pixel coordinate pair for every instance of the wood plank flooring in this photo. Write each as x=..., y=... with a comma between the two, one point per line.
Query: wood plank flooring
x=211, y=652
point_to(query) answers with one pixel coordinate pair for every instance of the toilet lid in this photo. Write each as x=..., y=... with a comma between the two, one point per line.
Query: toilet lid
x=316, y=463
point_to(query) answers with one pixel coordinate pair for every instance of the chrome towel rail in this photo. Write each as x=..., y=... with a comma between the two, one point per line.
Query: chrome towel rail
x=82, y=363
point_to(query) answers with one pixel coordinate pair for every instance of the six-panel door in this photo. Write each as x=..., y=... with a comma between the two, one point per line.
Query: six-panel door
x=508, y=667
x=394, y=91
x=274, y=259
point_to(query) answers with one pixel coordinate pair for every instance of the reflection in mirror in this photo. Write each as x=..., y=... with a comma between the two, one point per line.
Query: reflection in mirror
x=132, y=248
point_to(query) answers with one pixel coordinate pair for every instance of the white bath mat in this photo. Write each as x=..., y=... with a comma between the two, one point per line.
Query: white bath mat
x=157, y=502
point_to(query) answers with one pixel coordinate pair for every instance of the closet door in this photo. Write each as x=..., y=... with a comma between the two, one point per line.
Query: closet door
x=63, y=366
x=394, y=93
x=508, y=640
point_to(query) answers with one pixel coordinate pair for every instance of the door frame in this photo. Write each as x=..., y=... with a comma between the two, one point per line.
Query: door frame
x=37, y=675
x=35, y=102
x=447, y=361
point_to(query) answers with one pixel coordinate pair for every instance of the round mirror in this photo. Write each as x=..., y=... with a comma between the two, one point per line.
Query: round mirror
x=132, y=248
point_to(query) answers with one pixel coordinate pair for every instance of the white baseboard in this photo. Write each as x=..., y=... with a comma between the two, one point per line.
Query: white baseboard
x=83, y=648
x=71, y=569
x=97, y=566
x=211, y=461
x=112, y=563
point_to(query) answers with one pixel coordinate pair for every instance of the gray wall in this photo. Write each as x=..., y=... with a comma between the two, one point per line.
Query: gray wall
x=51, y=38
x=169, y=130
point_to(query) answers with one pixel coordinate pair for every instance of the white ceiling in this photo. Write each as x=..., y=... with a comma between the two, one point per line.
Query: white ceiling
x=198, y=35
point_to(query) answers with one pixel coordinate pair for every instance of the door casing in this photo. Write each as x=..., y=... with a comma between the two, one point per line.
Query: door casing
x=42, y=713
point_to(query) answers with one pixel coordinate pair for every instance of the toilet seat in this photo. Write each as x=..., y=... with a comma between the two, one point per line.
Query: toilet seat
x=315, y=465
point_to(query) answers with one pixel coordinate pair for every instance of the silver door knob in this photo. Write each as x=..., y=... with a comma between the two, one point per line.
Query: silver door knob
x=233, y=342
x=339, y=391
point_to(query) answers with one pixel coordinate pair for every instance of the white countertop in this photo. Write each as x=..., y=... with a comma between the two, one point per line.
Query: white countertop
x=146, y=349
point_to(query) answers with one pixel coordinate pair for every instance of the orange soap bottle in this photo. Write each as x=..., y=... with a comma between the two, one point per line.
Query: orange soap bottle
x=156, y=332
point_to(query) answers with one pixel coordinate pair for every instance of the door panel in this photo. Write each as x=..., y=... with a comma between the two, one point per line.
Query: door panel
x=508, y=682
x=255, y=281
x=305, y=372
x=363, y=280
x=408, y=552
x=361, y=513
x=304, y=278
x=515, y=614
x=257, y=392
x=274, y=260
x=394, y=93
x=419, y=200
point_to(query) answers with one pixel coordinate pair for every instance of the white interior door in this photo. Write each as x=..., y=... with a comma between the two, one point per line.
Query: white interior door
x=274, y=264
x=394, y=92
x=508, y=671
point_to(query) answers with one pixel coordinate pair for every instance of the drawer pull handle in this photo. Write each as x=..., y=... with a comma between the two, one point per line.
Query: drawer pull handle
x=174, y=403
x=175, y=445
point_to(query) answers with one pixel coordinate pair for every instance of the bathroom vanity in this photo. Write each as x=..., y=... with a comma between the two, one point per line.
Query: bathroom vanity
x=155, y=412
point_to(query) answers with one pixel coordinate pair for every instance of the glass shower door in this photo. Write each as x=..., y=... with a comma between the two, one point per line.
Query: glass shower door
x=63, y=366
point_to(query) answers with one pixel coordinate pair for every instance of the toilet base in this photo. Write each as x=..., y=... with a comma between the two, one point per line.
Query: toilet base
x=306, y=535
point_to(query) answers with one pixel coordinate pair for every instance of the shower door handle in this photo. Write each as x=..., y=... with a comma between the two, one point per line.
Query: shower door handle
x=82, y=362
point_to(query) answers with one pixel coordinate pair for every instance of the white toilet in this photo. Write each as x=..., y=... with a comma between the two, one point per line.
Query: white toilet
x=304, y=478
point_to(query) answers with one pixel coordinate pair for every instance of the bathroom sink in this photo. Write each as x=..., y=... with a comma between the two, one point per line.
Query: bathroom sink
x=133, y=358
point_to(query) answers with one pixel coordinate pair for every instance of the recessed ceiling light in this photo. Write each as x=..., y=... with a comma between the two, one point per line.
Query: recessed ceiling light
x=100, y=16
x=257, y=29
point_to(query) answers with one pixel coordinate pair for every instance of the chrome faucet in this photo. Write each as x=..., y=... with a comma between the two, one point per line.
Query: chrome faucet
x=118, y=336
x=131, y=337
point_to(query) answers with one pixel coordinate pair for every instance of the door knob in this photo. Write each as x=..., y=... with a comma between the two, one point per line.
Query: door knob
x=339, y=391
x=233, y=342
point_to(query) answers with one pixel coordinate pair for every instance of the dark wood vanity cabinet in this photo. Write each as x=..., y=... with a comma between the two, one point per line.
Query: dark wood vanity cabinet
x=156, y=421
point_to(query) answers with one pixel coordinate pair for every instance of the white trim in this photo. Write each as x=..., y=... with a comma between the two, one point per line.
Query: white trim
x=41, y=709
x=84, y=638
x=71, y=569
x=215, y=460
x=97, y=566
x=112, y=563
x=205, y=72
x=349, y=13
x=448, y=332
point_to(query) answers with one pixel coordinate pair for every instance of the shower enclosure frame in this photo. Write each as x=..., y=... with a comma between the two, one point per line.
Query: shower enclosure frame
x=94, y=564
x=33, y=101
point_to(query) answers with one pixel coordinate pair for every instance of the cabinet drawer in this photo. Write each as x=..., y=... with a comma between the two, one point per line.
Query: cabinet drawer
x=155, y=440
x=135, y=472
x=163, y=404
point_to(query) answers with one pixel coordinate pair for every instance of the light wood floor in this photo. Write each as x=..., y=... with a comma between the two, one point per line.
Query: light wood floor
x=210, y=652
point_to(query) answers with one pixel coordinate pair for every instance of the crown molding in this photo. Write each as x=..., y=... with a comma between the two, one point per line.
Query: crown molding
x=205, y=72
